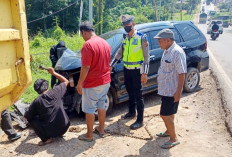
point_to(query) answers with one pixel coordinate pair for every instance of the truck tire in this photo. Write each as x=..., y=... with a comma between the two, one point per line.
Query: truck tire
x=192, y=80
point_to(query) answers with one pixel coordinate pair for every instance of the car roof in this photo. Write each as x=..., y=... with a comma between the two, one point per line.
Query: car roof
x=160, y=24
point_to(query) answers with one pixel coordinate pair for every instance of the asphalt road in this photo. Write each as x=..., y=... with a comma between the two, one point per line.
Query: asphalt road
x=221, y=64
x=221, y=48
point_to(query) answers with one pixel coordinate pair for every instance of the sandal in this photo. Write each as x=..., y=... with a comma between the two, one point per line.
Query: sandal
x=162, y=134
x=96, y=131
x=83, y=138
x=168, y=145
x=41, y=143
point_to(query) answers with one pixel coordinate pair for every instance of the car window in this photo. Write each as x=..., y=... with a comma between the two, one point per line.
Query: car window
x=176, y=36
x=154, y=42
x=114, y=40
x=187, y=32
x=219, y=22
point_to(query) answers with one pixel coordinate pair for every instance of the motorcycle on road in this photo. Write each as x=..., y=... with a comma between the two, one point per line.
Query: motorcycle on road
x=214, y=34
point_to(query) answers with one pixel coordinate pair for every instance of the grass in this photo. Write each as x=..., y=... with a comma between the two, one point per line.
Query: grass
x=185, y=16
x=39, y=49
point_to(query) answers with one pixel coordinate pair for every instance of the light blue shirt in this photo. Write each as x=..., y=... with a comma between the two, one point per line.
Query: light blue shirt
x=173, y=63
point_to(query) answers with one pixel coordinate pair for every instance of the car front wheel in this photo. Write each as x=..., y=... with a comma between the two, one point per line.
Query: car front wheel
x=192, y=80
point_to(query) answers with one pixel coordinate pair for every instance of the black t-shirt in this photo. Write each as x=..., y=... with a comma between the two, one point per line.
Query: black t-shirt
x=48, y=108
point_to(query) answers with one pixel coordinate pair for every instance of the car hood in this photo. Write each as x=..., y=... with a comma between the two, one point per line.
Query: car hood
x=68, y=59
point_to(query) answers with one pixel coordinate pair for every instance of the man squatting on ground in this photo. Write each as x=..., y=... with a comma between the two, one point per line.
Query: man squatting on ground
x=46, y=114
x=94, y=81
x=171, y=76
x=136, y=57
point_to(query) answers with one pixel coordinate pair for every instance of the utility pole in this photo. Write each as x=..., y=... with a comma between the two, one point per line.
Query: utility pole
x=156, y=16
x=181, y=10
x=81, y=11
x=91, y=11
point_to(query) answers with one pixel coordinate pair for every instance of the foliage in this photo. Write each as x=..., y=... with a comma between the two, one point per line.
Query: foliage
x=68, y=19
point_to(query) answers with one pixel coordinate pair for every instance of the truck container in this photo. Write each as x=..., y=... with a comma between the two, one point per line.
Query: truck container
x=15, y=72
x=202, y=18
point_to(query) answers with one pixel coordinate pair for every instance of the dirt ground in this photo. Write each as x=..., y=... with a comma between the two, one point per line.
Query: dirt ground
x=199, y=124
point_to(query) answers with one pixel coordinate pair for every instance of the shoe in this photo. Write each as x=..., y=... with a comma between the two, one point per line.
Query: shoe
x=128, y=116
x=136, y=125
x=17, y=136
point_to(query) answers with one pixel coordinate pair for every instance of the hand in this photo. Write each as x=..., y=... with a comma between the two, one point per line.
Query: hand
x=79, y=88
x=111, y=68
x=177, y=96
x=144, y=78
x=31, y=58
x=51, y=70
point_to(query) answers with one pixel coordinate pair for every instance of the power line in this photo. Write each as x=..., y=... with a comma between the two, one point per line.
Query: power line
x=52, y=13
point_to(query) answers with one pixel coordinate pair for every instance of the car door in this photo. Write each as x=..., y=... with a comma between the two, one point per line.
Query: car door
x=155, y=57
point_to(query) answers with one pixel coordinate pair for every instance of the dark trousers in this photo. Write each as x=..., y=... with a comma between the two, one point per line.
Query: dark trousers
x=6, y=124
x=133, y=85
x=40, y=131
x=44, y=131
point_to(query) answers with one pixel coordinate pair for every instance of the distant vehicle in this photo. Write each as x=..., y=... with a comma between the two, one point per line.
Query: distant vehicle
x=225, y=20
x=210, y=25
x=203, y=9
x=212, y=12
x=214, y=34
x=202, y=18
x=225, y=24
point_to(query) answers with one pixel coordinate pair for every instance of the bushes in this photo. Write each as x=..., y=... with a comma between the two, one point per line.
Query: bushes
x=58, y=33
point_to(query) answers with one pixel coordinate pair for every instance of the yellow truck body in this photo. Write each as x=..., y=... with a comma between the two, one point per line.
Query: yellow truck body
x=15, y=72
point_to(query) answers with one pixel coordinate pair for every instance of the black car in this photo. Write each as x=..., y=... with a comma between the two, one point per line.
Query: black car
x=187, y=35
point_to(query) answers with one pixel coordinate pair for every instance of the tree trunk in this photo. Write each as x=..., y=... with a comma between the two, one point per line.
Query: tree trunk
x=156, y=16
x=99, y=17
x=181, y=10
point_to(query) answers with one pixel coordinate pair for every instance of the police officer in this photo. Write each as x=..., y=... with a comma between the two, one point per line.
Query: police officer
x=134, y=51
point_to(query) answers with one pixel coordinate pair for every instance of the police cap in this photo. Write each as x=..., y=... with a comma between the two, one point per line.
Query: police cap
x=126, y=19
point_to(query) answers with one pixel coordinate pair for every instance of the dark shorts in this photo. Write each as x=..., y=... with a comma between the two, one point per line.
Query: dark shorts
x=168, y=107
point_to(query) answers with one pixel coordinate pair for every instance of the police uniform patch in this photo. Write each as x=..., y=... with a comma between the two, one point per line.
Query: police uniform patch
x=135, y=41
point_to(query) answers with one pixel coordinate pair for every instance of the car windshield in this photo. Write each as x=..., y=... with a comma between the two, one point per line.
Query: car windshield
x=114, y=38
x=219, y=22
